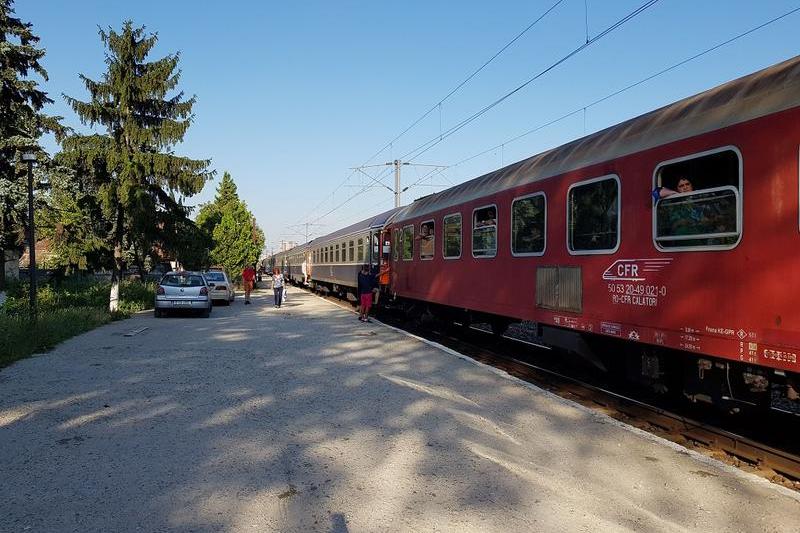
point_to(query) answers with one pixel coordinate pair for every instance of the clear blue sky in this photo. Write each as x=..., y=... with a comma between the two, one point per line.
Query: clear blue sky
x=291, y=95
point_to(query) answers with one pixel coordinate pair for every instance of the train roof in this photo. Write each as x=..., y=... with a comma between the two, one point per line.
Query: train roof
x=767, y=91
x=376, y=221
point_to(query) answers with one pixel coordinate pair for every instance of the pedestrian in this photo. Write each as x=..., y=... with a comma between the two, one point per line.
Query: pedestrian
x=366, y=282
x=248, y=277
x=277, y=287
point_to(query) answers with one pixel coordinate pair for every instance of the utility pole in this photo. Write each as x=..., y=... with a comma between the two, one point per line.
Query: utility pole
x=397, y=164
x=307, y=226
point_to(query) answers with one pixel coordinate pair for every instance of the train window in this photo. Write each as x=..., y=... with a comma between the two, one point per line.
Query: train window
x=484, y=231
x=593, y=221
x=528, y=225
x=376, y=247
x=361, y=250
x=352, y=254
x=426, y=240
x=407, y=242
x=699, y=203
x=336, y=256
x=395, y=244
x=327, y=255
x=451, y=236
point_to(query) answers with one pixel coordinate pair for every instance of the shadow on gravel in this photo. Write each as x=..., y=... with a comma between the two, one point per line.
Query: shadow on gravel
x=303, y=419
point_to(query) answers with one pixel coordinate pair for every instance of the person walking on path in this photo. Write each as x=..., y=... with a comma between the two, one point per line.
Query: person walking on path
x=248, y=277
x=277, y=287
x=366, y=282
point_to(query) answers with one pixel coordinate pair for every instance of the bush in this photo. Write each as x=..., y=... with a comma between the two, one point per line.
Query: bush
x=79, y=292
x=19, y=337
x=72, y=307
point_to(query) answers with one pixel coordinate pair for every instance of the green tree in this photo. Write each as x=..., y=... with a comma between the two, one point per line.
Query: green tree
x=21, y=125
x=238, y=240
x=133, y=166
x=210, y=213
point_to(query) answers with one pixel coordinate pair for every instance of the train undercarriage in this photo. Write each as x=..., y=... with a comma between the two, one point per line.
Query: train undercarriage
x=729, y=385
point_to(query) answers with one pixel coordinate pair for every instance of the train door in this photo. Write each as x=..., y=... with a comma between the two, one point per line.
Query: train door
x=383, y=245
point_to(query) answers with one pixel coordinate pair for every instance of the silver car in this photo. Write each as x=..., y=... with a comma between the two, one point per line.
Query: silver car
x=182, y=290
x=220, y=286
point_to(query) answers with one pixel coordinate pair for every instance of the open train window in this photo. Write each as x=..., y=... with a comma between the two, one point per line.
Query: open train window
x=528, y=224
x=396, y=244
x=337, y=253
x=593, y=222
x=451, y=236
x=699, y=205
x=407, y=242
x=352, y=255
x=426, y=240
x=484, y=231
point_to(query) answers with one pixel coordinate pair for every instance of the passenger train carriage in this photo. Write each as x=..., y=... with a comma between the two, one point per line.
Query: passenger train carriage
x=695, y=289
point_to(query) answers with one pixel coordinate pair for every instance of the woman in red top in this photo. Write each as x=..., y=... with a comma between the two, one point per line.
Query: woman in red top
x=248, y=277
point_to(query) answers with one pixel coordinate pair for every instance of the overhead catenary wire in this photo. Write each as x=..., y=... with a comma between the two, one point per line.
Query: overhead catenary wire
x=631, y=85
x=414, y=154
x=438, y=105
x=424, y=147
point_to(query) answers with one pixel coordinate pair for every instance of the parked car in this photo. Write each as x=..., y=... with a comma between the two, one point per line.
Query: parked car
x=220, y=286
x=183, y=291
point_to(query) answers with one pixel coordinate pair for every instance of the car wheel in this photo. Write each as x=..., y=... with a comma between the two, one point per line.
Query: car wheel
x=157, y=313
x=206, y=313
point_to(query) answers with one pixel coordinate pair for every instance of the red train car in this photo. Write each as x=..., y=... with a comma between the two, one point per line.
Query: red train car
x=594, y=242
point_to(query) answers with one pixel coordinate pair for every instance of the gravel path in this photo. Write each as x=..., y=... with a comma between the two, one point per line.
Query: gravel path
x=304, y=419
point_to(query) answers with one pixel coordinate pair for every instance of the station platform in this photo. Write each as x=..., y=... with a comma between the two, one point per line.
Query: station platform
x=304, y=419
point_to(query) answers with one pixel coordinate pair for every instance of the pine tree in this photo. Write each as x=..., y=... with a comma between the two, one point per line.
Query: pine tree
x=21, y=125
x=137, y=172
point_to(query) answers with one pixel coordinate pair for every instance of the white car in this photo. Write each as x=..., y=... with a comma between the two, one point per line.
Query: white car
x=182, y=291
x=220, y=286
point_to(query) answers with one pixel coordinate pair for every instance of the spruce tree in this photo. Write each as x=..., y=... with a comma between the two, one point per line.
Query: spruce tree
x=21, y=125
x=138, y=173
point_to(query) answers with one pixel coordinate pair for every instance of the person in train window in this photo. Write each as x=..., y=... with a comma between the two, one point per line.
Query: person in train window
x=688, y=218
x=683, y=184
x=489, y=219
x=426, y=241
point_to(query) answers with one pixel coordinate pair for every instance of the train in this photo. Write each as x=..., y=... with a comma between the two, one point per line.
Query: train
x=605, y=248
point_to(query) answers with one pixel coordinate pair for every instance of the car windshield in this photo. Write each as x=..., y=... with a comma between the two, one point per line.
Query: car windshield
x=182, y=280
x=215, y=276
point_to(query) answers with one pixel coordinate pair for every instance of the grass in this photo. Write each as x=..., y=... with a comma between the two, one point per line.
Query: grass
x=72, y=307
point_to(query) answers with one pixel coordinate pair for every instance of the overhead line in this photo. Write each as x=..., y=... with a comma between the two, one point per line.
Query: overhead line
x=635, y=84
x=451, y=93
x=436, y=140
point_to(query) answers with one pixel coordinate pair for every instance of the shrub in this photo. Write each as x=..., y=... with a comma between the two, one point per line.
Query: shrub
x=72, y=307
x=19, y=337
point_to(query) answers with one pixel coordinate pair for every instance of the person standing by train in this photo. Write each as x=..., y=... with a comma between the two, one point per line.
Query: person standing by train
x=277, y=287
x=366, y=282
x=248, y=278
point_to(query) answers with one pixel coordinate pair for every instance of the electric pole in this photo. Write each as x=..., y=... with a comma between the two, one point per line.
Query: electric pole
x=397, y=164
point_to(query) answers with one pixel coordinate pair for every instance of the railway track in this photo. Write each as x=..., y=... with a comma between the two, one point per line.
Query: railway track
x=778, y=465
